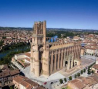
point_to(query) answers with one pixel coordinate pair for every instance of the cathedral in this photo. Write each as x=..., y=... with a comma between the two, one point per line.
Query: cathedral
x=50, y=57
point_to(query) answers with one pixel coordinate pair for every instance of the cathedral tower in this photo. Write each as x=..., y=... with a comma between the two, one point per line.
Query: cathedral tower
x=37, y=47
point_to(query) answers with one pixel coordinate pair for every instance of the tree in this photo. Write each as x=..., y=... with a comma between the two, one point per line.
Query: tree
x=84, y=70
x=1, y=43
x=63, y=88
x=61, y=81
x=93, y=71
x=70, y=78
x=4, y=37
x=11, y=87
x=89, y=72
x=81, y=71
x=65, y=79
x=78, y=74
x=75, y=76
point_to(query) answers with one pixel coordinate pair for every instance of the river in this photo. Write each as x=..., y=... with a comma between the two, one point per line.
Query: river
x=3, y=54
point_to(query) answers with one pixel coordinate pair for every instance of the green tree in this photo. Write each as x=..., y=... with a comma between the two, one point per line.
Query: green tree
x=63, y=88
x=93, y=71
x=11, y=87
x=4, y=37
x=75, y=76
x=78, y=74
x=61, y=81
x=81, y=71
x=1, y=43
x=65, y=79
x=89, y=72
x=84, y=70
x=70, y=78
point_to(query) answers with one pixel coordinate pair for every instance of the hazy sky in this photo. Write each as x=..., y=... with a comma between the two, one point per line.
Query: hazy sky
x=58, y=13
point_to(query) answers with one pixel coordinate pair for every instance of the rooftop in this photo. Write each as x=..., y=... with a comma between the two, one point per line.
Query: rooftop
x=61, y=46
x=83, y=81
x=95, y=66
x=27, y=83
x=6, y=73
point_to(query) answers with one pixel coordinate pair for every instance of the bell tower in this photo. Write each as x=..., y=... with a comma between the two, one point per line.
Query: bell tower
x=37, y=47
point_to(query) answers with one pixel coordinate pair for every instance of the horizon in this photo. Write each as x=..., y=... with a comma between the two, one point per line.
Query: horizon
x=51, y=28
x=69, y=14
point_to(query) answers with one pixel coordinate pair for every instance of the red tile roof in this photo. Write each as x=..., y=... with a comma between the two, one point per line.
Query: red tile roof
x=27, y=83
x=95, y=66
x=28, y=54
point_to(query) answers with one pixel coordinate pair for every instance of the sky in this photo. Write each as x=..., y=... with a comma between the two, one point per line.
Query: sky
x=75, y=14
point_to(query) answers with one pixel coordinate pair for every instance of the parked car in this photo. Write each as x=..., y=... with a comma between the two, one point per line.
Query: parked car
x=45, y=83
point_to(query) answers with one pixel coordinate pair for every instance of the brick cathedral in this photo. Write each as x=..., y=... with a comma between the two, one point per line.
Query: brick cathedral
x=50, y=57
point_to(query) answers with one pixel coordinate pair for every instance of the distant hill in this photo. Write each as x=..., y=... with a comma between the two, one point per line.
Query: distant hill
x=54, y=29
x=14, y=28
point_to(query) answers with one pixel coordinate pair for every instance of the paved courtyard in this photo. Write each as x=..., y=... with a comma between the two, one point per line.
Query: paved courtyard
x=85, y=62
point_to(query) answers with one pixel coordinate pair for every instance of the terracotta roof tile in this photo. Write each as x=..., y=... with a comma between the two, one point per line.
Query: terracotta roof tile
x=27, y=83
x=28, y=54
x=32, y=83
x=81, y=82
x=95, y=66
x=13, y=72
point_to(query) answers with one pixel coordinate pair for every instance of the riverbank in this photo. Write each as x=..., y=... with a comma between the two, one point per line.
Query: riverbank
x=13, y=46
x=5, y=57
